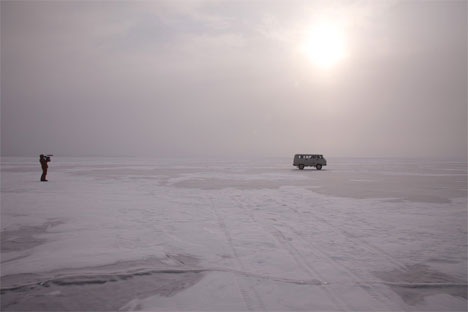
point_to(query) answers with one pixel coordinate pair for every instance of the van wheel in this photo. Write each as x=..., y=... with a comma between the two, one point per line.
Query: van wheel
x=319, y=167
x=301, y=167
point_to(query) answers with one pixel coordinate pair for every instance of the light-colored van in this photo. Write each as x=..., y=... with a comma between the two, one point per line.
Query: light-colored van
x=309, y=160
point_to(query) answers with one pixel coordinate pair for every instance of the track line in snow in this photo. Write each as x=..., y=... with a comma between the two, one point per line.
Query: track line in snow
x=368, y=286
x=319, y=253
x=250, y=296
x=350, y=237
x=299, y=258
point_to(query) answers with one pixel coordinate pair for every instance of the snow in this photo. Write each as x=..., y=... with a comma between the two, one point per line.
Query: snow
x=234, y=235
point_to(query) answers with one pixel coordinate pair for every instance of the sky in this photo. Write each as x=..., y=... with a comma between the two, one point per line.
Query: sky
x=234, y=78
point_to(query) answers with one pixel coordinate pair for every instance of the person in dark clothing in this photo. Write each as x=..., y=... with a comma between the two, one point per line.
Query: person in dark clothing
x=44, y=160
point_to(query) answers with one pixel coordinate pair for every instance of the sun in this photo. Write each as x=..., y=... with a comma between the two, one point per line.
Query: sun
x=324, y=44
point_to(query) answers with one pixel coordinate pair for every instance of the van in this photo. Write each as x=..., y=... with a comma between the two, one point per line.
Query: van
x=309, y=160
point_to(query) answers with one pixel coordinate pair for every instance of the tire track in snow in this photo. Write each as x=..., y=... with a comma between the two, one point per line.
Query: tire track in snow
x=251, y=298
x=367, y=286
x=350, y=237
x=299, y=258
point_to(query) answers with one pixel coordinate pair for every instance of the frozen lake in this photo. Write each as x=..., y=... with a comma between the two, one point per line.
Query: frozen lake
x=233, y=235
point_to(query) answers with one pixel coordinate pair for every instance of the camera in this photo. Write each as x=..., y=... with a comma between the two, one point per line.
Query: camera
x=46, y=157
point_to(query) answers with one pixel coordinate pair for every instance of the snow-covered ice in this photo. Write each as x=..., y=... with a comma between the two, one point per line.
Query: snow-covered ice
x=233, y=235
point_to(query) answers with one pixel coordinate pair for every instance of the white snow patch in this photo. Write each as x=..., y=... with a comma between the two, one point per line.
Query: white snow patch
x=270, y=237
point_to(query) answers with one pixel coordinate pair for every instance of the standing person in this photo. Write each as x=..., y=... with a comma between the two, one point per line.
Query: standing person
x=44, y=160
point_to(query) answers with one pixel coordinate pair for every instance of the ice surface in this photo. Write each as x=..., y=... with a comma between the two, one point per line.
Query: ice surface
x=234, y=235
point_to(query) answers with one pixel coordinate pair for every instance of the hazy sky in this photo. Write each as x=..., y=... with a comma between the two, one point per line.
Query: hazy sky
x=234, y=78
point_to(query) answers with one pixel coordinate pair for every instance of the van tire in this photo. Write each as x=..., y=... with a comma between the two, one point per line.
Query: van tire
x=319, y=167
x=301, y=167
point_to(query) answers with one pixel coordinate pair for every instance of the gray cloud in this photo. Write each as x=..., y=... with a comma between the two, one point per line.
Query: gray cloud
x=226, y=78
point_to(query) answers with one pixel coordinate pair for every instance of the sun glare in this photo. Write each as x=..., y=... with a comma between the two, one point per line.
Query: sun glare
x=325, y=45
